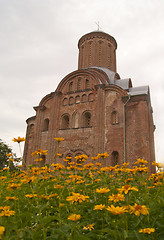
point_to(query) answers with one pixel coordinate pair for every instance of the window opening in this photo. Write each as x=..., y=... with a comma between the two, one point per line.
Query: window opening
x=115, y=158
x=70, y=86
x=77, y=99
x=87, y=84
x=65, y=122
x=87, y=119
x=45, y=124
x=114, y=117
x=79, y=84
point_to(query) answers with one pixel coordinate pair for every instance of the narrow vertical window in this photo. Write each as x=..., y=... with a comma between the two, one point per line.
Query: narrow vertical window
x=79, y=84
x=114, y=117
x=65, y=122
x=87, y=119
x=45, y=124
x=87, y=84
x=71, y=87
x=115, y=158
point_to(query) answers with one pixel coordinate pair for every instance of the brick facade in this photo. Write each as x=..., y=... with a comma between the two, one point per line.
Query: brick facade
x=94, y=111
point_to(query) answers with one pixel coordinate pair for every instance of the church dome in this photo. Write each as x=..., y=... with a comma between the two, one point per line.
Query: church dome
x=97, y=49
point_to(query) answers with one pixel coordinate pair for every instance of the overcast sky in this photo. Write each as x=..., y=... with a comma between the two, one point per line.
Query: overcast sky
x=38, y=47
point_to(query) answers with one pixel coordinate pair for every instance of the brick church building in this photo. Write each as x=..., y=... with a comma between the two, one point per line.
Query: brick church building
x=94, y=110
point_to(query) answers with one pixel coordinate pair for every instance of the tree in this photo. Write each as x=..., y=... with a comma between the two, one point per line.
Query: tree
x=4, y=160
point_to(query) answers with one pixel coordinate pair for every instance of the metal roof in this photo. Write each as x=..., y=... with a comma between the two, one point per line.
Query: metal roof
x=123, y=83
x=139, y=90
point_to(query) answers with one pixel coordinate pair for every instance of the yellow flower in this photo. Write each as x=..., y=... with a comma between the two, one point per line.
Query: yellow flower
x=80, y=181
x=125, y=164
x=61, y=204
x=140, y=169
x=44, y=197
x=13, y=186
x=117, y=197
x=59, y=154
x=116, y=210
x=74, y=217
x=52, y=195
x=39, y=152
x=81, y=158
x=97, y=180
x=141, y=161
x=38, y=159
x=75, y=177
x=158, y=165
x=11, y=198
x=102, y=190
x=138, y=209
x=5, y=211
x=94, y=158
x=59, y=139
x=88, y=166
x=12, y=160
x=58, y=186
x=128, y=179
x=8, y=154
x=19, y=139
x=99, y=207
x=5, y=168
x=89, y=227
x=98, y=164
x=77, y=197
x=2, y=229
x=127, y=188
x=57, y=166
x=30, y=195
x=147, y=230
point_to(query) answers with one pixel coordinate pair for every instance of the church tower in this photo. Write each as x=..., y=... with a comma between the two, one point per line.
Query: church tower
x=94, y=110
x=97, y=49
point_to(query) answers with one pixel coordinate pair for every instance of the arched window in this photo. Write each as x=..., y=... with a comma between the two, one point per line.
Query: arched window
x=115, y=158
x=86, y=83
x=71, y=100
x=65, y=122
x=114, y=117
x=90, y=97
x=84, y=98
x=87, y=119
x=79, y=84
x=77, y=99
x=71, y=87
x=45, y=124
x=65, y=101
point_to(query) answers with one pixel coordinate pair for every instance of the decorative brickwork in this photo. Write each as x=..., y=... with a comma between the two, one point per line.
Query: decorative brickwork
x=94, y=111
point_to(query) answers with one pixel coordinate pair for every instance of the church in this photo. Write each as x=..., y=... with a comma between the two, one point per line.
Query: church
x=94, y=110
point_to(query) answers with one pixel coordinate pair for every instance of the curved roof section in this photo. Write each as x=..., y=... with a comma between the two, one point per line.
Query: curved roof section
x=111, y=75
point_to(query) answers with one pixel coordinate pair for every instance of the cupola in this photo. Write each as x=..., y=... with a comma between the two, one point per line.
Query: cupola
x=97, y=49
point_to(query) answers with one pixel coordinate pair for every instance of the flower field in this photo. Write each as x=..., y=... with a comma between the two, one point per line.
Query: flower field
x=80, y=200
